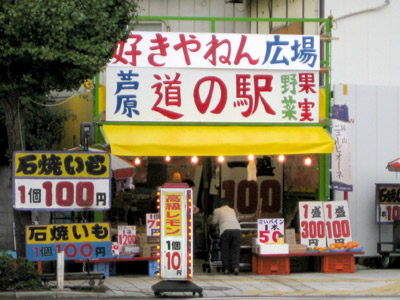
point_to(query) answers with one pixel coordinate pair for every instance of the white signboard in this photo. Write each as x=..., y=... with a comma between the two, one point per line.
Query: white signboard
x=312, y=224
x=127, y=240
x=247, y=197
x=218, y=50
x=126, y=235
x=61, y=181
x=114, y=248
x=337, y=222
x=211, y=96
x=269, y=230
x=176, y=232
x=151, y=224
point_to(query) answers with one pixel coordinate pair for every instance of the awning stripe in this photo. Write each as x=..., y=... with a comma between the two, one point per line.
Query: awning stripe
x=155, y=140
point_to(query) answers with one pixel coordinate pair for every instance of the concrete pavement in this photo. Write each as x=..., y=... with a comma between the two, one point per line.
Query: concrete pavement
x=379, y=283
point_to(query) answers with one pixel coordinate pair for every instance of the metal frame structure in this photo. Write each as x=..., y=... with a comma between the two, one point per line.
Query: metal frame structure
x=325, y=64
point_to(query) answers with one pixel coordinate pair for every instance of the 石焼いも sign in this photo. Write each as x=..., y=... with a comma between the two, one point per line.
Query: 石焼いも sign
x=61, y=181
x=78, y=241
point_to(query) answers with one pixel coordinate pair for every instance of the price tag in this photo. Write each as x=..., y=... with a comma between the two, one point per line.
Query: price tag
x=61, y=181
x=151, y=224
x=337, y=222
x=312, y=223
x=269, y=230
x=176, y=245
x=114, y=248
x=126, y=235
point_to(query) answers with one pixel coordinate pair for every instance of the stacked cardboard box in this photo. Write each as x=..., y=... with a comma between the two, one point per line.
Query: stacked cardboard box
x=297, y=248
x=290, y=238
x=147, y=244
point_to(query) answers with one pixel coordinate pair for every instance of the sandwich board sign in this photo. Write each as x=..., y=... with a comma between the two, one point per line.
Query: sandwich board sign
x=176, y=231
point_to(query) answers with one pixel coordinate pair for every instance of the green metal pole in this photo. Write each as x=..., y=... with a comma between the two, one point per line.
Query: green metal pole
x=324, y=162
x=96, y=108
x=97, y=215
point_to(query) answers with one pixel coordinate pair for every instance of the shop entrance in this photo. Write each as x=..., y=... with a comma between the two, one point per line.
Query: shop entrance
x=274, y=192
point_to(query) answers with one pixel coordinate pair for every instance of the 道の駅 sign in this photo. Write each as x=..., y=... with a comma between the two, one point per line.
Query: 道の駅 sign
x=78, y=241
x=218, y=78
x=176, y=231
x=61, y=181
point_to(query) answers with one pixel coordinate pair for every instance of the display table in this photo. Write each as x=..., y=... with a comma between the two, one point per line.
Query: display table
x=279, y=264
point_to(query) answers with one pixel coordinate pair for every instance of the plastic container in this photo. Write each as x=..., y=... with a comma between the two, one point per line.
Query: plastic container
x=272, y=265
x=153, y=268
x=103, y=267
x=338, y=264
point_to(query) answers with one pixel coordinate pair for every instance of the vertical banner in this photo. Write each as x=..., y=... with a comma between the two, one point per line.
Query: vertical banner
x=312, y=223
x=151, y=224
x=176, y=231
x=337, y=222
x=269, y=230
x=341, y=161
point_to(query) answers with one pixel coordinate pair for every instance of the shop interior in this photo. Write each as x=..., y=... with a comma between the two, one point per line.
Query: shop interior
x=257, y=187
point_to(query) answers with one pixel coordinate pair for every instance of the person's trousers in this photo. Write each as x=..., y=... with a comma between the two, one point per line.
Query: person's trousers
x=230, y=248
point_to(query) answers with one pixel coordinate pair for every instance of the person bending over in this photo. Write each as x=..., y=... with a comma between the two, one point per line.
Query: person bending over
x=229, y=229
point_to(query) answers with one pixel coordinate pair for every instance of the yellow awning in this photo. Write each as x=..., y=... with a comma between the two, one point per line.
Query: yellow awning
x=158, y=140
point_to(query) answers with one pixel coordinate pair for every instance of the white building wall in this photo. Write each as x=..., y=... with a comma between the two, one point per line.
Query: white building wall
x=364, y=58
x=198, y=8
x=368, y=45
x=375, y=140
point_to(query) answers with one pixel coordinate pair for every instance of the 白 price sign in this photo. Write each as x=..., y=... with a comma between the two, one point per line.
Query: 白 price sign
x=176, y=231
x=337, y=222
x=126, y=239
x=312, y=223
x=151, y=224
x=77, y=240
x=61, y=181
x=126, y=235
x=269, y=230
x=387, y=203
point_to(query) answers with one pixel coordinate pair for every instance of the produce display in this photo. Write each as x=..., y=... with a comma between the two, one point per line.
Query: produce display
x=337, y=247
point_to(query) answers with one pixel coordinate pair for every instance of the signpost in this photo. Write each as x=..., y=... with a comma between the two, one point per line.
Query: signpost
x=269, y=230
x=337, y=222
x=176, y=244
x=151, y=224
x=324, y=223
x=77, y=241
x=61, y=181
x=127, y=239
x=312, y=224
x=387, y=203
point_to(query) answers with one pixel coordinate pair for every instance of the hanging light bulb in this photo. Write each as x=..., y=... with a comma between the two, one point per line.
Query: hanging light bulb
x=281, y=158
x=221, y=159
x=168, y=158
x=251, y=157
x=194, y=159
x=138, y=161
x=308, y=161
